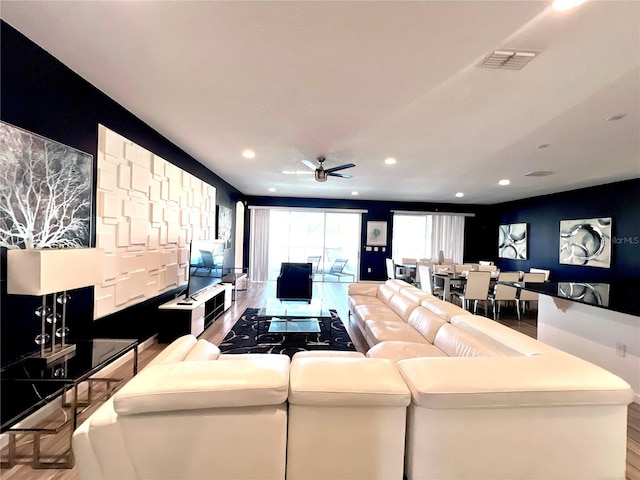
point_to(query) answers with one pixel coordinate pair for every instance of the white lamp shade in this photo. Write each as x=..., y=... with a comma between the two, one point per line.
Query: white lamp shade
x=45, y=271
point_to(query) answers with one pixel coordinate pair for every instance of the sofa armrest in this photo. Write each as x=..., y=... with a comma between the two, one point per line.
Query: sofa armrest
x=368, y=289
x=176, y=351
x=490, y=382
x=205, y=384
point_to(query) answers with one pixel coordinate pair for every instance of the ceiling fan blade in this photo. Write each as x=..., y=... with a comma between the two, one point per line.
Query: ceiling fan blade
x=309, y=164
x=341, y=167
x=341, y=175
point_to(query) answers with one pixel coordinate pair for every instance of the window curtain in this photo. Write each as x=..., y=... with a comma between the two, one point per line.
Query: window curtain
x=447, y=234
x=259, y=252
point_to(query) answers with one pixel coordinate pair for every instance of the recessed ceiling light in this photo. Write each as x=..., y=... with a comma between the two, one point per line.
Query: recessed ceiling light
x=542, y=145
x=354, y=193
x=504, y=181
x=561, y=5
x=272, y=189
x=613, y=118
x=459, y=194
x=248, y=153
x=390, y=161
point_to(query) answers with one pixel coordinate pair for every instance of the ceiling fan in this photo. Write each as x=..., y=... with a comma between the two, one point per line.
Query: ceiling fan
x=321, y=174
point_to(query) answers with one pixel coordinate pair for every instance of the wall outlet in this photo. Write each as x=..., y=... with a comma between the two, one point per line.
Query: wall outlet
x=621, y=350
x=368, y=269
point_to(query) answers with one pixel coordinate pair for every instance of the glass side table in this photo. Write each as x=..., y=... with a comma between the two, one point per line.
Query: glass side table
x=29, y=381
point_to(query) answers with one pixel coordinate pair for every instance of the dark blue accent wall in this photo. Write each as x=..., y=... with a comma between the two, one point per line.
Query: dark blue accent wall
x=40, y=94
x=620, y=201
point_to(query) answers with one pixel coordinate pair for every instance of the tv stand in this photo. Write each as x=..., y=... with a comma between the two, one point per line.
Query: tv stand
x=194, y=314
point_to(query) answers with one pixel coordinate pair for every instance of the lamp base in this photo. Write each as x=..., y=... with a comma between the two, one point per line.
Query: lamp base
x=59, y=351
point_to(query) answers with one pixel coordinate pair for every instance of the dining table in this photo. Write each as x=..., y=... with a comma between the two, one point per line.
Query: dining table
x=449, y=281
x=454, y=281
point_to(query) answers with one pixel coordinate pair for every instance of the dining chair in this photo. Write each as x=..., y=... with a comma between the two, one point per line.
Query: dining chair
x=426, y=281
x=476, y=288
x=461, y=267
x=425, y=263
x=487, y=268
x=505, y=293
x=547, y=273
x=526, y=295
x=409, y=267
x=393, y=271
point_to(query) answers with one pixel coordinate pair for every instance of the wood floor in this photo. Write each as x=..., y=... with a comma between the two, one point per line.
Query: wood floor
x=335, y=296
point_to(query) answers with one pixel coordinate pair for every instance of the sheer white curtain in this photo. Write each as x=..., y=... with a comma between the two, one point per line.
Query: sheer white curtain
x=447, y=234
x=259, y=251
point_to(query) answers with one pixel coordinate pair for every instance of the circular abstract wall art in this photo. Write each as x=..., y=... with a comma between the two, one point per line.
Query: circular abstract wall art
x=586, y=242
x=512, y=241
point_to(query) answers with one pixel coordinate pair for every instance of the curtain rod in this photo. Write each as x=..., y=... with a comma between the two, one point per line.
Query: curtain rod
x=411, y=212
x=310, y=209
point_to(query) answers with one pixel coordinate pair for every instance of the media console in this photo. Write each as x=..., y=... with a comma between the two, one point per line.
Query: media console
x=181, y=316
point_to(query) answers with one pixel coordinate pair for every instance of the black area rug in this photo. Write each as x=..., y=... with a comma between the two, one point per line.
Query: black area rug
x=249, y=335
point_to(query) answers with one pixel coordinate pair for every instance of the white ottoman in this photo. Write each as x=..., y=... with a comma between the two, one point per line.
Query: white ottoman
x=347, y=419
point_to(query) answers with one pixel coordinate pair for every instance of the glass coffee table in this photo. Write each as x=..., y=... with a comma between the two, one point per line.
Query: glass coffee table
x=288, y=317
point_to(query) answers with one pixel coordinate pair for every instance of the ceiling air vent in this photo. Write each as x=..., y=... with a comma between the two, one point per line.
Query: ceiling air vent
x=508, y=59
x=542, y=173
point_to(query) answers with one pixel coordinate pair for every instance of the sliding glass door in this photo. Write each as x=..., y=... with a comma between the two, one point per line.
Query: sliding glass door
x=329, y=240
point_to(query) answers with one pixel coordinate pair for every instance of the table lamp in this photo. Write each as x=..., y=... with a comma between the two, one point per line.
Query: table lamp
x=53, y=271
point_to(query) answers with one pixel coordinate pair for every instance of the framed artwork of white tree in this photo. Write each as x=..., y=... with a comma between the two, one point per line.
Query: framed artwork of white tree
x=45, y=191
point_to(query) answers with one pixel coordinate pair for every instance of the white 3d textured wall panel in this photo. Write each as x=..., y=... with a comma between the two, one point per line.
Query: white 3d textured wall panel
x=148, y=210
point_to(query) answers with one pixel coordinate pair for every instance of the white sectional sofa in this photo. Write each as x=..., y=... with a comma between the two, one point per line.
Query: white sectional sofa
x=441, y=394
x=489, y=402
x=191, y=414
x=194, y=413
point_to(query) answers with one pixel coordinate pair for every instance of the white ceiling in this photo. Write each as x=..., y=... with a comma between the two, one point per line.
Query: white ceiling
x=362, y=81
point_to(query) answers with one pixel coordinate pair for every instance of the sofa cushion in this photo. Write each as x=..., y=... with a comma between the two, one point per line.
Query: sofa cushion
x=376, y=312
x=511, y=381
x=335, y=381
x=508, y=341
x=263, y=380
x=378, y=331
x=443, y=309
x=458, y=343
x=326, y=353
x=397, y=285
x=426, y=323
x=416, y=295
x=397, y=350
x=203, y=350
x=176, y=351
x=402, y=306
x=386, y=293
x=365, y=289
x=356, y=300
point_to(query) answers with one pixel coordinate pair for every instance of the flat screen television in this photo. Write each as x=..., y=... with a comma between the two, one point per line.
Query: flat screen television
x=206, y=258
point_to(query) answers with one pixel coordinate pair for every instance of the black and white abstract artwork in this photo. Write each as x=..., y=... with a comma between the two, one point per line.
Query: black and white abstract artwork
x=589, y=293
x=224, y=226
x=512, y=241
x=586, y=242
x=45, y=192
